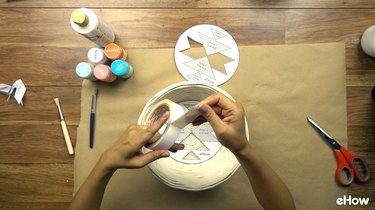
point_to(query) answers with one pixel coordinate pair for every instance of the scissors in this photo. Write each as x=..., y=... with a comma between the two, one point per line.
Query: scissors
x=350, y=166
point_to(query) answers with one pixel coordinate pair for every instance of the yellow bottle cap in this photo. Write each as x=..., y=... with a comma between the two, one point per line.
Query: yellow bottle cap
x=79, y=18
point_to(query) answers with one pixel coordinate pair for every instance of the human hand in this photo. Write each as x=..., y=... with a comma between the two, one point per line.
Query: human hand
x=227, y=120
x=125, y=152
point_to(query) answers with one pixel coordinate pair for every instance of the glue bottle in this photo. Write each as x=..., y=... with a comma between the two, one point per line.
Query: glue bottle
x=85, y=22
x=368, y=41
x=122, y=69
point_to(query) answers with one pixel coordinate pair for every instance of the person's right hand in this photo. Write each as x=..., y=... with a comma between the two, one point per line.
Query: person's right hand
x=227, y=120
x=126, y=151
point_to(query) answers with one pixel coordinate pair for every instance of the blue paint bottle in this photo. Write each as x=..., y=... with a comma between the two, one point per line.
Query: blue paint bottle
x=85, y=71
x=122, y=69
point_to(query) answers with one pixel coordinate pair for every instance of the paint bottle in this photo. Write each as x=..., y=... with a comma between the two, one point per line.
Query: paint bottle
x=115, y=52
x=85, y=22
x=103, y=73
x=368, y=41
x=85, y=71
x=97, y=56
x=121, y=69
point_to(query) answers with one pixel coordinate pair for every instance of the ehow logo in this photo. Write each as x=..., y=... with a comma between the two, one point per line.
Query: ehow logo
x=352, y=201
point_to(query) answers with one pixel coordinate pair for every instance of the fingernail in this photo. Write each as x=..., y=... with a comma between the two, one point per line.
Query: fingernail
x=166, y=115
x=203, y=107
x=196, y=123
x=198, y=105
x=165, y=154
x=180, y=146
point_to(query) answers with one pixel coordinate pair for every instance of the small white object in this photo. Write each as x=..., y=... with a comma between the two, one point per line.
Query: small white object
x=18, y=88
x=368, y=41
x=85, y=22
x=214, y=40
x=4, y=88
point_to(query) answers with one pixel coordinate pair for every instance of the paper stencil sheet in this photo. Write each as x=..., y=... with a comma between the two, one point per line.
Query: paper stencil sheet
x=218, y=60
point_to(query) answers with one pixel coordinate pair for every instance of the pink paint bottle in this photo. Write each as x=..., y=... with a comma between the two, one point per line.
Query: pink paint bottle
x=103, y=73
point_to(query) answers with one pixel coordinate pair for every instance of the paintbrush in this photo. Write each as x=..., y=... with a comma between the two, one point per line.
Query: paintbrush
x=64, y=128
x=92, y=116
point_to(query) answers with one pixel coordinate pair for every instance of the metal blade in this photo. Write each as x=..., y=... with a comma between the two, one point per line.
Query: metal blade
x=326, y=136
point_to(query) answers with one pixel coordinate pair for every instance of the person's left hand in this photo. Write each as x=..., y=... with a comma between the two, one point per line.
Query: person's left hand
x=125, y=152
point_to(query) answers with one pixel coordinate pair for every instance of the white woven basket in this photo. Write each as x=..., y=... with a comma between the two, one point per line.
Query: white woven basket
x=191, y=176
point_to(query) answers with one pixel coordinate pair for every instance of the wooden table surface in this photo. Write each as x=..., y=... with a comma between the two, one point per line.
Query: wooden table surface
x=38, y=45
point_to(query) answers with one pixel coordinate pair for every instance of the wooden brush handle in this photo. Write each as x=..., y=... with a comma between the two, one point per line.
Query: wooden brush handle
x=67, y=138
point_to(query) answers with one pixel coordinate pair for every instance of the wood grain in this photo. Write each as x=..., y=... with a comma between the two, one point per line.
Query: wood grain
x=361, y=108
x=38, y=45
x=39, y=106
x=35, y=144
x=195, y=4
x=35, y=183
x=35, y=205
x=139, y=28
x=36, y=69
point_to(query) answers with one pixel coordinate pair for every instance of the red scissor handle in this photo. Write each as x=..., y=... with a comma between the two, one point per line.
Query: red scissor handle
x=344, y=174
x=361, y=165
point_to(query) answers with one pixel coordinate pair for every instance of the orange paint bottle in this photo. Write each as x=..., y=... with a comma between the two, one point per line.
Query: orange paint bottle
x=115, y=52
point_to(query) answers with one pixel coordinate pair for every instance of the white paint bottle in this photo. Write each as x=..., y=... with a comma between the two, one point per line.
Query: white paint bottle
x=368, y=41
x=85, y=22
x=97, y=56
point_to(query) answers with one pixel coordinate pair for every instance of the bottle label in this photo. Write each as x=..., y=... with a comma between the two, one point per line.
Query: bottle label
x=101, y=35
